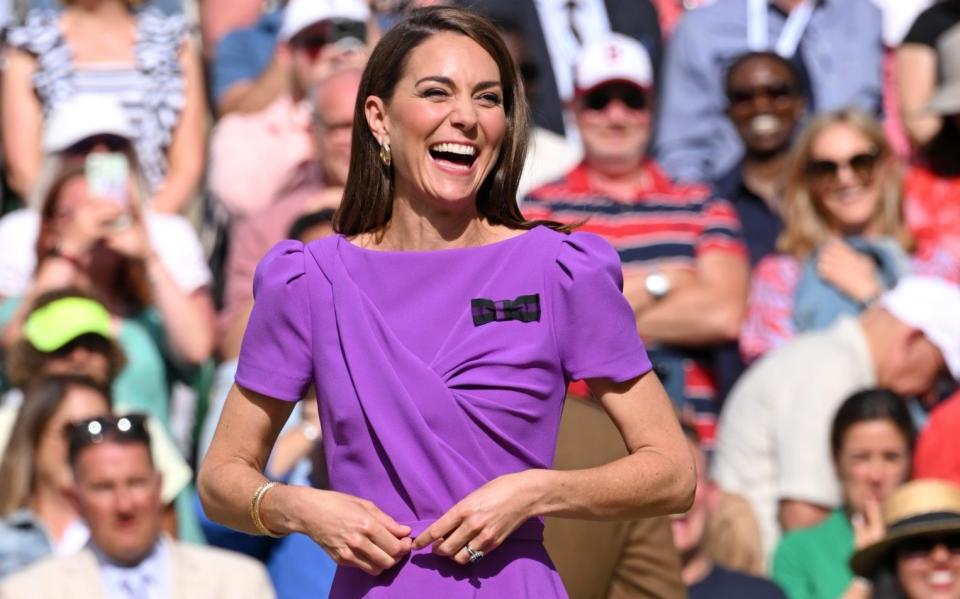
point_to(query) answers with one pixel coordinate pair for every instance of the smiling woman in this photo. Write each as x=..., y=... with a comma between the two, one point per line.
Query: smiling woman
x=439, y=329
x=845, y=238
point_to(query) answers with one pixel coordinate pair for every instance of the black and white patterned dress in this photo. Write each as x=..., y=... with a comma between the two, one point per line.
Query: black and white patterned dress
x=150, y=89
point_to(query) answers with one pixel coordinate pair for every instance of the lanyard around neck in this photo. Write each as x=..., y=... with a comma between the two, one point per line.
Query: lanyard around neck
x=758, y=32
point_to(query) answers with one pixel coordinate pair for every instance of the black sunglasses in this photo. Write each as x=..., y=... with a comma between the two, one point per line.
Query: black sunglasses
x=329, y=32
x=774, y=93
x=827, y=171
x=107, y=141
x=633, y=98
x=922, y=546
x=82, y=434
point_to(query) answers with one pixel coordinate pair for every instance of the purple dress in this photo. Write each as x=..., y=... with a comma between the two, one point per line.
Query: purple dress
x=435, y=373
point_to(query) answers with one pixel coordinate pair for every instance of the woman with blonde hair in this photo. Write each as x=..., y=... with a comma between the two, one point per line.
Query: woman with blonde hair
x=845, y=239
x=135, y=54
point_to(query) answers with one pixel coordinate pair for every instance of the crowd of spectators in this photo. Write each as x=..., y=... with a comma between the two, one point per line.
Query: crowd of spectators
x=781, y=181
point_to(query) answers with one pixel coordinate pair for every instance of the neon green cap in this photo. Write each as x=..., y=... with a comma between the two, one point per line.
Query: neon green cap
x=52, y=326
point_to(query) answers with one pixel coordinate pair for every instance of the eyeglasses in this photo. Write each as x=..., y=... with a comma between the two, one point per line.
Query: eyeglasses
x=922, y=546
x=129, y=427
x=826, y=172
x=632, y=97
x=327, y=32
x=107, y=141
x=776, y=92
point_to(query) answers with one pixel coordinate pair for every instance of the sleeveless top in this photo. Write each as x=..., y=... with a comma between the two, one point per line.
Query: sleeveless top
x=150, y=89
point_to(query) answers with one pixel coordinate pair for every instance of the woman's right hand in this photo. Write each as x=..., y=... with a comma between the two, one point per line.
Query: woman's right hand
x=88, y=224
x=354, y=531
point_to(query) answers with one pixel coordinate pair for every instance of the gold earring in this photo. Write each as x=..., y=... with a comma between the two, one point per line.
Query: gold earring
x=385, y=155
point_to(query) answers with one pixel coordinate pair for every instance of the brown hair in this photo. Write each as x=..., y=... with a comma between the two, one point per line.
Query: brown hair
x=127, y=284
x=805, y=222
x=368, y=195
x=41, y=401
x=26, y=363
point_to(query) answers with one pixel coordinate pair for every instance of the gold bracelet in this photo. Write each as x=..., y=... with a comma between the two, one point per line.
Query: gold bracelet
x=255, y=509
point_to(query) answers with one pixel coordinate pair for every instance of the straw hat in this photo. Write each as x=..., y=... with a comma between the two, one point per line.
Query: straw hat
x=916, y=509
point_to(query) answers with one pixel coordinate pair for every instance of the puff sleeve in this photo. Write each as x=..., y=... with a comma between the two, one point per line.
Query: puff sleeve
x=275, y=356
x=596, y=330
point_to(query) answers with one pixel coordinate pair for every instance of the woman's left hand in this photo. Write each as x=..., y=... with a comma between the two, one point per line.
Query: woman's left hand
x=484, y=518
x=853, y=273
x=132, y=241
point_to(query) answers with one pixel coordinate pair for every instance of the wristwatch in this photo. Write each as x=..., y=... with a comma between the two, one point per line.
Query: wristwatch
x=657, y=284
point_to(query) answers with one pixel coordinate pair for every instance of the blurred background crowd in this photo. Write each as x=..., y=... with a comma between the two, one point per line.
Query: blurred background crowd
x=781, y=180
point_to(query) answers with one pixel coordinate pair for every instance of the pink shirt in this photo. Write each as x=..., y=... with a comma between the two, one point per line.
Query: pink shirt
x=252, y=156
x=252, y=237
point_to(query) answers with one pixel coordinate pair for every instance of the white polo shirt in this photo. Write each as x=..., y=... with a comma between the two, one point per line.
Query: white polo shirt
x=773, y=440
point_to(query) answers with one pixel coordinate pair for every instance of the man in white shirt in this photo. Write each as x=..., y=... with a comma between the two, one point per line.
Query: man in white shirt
x=773, y=442
x=117, y=492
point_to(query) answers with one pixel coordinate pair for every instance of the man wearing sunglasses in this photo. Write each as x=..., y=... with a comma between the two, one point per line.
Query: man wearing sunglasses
x=117, y=493
x=685, y=268
x=837, y=43
x=254, y=155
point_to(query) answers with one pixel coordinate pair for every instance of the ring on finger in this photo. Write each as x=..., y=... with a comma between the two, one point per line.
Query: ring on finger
x=475, y=555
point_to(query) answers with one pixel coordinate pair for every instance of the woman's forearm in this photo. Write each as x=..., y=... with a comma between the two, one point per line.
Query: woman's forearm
x=179, y=188
x=226, y=491
x=644, y=484
x=657, y=477
x=187, y=318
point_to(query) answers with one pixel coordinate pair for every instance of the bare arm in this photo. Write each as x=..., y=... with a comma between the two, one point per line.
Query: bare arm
x=353, y=531
x=188, y=318
x=233, y=466
x=255, y=95
x=53, y=273
x=794, y=514
x=187, y=151
x=708, y=310
x=22, y=121
x=916, y=66
x=657, y=477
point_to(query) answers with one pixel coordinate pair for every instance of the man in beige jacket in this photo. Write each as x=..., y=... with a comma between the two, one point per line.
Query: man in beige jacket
x=117, y=492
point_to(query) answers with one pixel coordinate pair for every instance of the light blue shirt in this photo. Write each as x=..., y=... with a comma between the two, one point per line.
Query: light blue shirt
x=150, y=579
x=841, y=49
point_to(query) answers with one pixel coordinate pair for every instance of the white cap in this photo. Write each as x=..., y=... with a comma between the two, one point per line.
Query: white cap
x=930, y=305
x=614, y=57
x=82, y=116
x=300, y=14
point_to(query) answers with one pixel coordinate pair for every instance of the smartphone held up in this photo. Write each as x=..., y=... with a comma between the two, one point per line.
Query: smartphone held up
x=107, y=175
